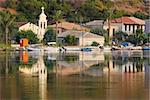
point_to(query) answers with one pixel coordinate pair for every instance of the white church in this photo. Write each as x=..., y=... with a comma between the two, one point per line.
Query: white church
x=40, y=29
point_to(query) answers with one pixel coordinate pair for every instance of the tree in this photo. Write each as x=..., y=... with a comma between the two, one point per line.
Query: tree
x=25, y=7
x=140, y=15
x=94, y=43
x=110, y=7
x=57, y=18
x=120, y=36
x=50, y=36
x=137, y=38
x=98, y=31
x=6, y=24
x=32, y=37
x=70, y=40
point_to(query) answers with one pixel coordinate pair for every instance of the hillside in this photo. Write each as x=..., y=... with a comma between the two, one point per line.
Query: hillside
x=73, y=9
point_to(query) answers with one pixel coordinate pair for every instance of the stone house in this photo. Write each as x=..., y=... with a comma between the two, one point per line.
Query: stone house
x=83, y=38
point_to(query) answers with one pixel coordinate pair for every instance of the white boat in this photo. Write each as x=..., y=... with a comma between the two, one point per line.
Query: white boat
x=136, y=48
x=132, y=48
x=52, y=49
x=34, y=49
x=107, y=48
x=72, y=48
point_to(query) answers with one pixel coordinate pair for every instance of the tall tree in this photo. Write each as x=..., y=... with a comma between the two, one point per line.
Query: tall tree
x=57, y=18
x=110, y=7
x=6, y=23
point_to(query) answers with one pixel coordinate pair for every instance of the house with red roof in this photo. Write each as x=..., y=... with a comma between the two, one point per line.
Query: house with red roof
x=125, y=24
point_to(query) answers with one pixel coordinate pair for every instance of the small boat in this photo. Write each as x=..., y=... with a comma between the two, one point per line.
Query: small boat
x=52, y=49
x=86, y=49
x=107, y=48
x=146, y=48
x=72, y=48
x=136, y=48
x=34, y=49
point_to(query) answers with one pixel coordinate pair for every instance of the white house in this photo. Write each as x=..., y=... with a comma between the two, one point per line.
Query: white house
x=147, y=27
x=29, y=26
x=83, y=38
x=125, y=24
x=40, y=29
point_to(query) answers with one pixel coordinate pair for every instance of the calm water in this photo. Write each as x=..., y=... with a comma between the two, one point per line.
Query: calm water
x=119, y=75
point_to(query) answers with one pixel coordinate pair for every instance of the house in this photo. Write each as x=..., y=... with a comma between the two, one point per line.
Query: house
x=65, y=26
x=39, y=29
x=29, y=26
x=125, y=24
x=83, y=38
x=94, y=24
x=147, y=26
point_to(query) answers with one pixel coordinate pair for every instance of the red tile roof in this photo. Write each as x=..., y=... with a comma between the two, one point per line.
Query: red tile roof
x=12, y=11
x=2, y=0
x=128, y=20
x=20, y=23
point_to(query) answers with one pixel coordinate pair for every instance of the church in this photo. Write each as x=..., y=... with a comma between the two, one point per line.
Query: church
x=40, y=29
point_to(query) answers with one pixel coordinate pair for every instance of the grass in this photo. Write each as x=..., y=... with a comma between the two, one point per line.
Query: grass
x=3, y=46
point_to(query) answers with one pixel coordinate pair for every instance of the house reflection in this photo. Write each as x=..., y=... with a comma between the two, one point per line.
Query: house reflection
x=79, y=63
x=38, y=69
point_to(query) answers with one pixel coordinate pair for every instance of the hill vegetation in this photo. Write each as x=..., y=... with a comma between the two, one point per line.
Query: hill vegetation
x=76, y=10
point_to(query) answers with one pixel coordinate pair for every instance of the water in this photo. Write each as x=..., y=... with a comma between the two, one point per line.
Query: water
x=118, y=75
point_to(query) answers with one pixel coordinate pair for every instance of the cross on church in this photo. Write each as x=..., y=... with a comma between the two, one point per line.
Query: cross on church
x=42, y=9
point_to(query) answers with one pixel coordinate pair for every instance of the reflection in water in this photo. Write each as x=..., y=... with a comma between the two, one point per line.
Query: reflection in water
x=85, y=76
x=38, y=69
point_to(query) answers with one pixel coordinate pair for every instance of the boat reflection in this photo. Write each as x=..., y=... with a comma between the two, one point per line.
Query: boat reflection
x=72, y=76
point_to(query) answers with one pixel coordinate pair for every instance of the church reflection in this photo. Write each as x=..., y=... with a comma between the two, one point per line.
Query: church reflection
x=77, y=63
x=38, y=69
x=56, y=76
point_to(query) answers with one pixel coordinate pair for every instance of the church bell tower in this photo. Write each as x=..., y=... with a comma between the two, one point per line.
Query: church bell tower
x=42, y=24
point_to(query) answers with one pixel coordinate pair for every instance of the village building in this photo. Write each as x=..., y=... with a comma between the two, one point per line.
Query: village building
x=83, y=38
x=65, y=26
x=147, y=26
x=124, y=24
x=94, y=24
x=39, y=29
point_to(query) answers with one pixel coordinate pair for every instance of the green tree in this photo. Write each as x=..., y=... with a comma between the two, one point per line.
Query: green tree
x=6, y=25
x=70, y=40
x=98, y=31
x=57, y=18
x=94, y=43
x=110, y=7
x=120, y=36
x=137, y=38
x=10, y=4
x=140, y=15
x=50, y=36
x=32, y=37
x=25, y=7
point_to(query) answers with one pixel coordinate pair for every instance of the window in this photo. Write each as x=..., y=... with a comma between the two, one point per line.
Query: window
x=129, y=27
x=113, y=31
x=44, y=25
x=133, y=29
x=125, y=27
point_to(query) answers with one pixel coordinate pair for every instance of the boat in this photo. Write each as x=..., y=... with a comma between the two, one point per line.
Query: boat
x=107, y=48
x=72, y=48
x=146, y=48
x=34, y=49
x=86, y=49
x=136, y=48
x=52, y=49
